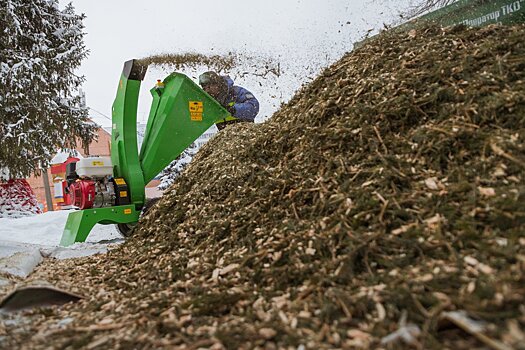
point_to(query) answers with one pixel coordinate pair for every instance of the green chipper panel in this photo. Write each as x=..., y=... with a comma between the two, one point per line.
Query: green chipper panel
x=180, y=112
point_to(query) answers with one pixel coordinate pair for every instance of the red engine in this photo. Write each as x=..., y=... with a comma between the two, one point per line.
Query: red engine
x=94, y=193
x=83, y=193
x=91, y=184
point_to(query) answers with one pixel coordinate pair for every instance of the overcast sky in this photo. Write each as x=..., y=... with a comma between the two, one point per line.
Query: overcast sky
x=303, y=35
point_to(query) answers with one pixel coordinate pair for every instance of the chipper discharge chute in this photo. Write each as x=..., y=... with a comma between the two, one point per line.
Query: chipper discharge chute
x=112, y=190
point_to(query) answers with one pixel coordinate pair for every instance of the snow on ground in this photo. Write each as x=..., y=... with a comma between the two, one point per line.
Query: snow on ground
x=46, y=229
x=25, y=241
x=18, y=259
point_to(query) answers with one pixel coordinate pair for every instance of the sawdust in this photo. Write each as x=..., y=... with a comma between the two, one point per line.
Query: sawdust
x=259, y=66
x=191, y=60
x=384, y=198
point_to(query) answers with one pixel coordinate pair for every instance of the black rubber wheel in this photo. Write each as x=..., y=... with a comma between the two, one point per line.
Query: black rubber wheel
x=149, y=203
x=126, y=230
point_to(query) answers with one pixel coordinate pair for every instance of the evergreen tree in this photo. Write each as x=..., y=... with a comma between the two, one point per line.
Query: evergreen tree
x=41, y=46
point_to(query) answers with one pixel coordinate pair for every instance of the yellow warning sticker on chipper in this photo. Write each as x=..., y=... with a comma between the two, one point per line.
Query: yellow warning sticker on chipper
x=120, y=181
x=127, y=211
x=98, y=163
x=196, y=110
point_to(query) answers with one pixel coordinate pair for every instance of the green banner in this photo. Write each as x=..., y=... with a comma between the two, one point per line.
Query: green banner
x=478, y=13
x=472, y=13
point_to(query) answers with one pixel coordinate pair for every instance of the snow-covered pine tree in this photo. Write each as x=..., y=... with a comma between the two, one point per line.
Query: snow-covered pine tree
x=170, y=173
x=40, y=111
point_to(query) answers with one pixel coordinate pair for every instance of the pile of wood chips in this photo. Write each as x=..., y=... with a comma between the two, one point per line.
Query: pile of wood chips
x=382, y=207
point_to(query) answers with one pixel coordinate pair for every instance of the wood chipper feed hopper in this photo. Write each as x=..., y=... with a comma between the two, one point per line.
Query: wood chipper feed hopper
x=112, y=190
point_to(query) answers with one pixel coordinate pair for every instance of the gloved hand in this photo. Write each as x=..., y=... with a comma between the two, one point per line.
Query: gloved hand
x=232, y=110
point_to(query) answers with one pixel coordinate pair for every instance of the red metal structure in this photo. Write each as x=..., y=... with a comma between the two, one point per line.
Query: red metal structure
x=58, y=173
x=17, y=199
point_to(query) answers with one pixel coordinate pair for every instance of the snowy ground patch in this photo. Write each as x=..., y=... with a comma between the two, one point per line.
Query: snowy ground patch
x=18, y=259
x=24, y=242
x=46, y=229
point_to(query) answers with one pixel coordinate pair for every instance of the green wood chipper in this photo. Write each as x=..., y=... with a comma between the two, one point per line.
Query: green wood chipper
x=112, y=190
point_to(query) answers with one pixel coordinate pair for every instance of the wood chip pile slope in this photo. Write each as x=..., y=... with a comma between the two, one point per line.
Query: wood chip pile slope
x=386, y=195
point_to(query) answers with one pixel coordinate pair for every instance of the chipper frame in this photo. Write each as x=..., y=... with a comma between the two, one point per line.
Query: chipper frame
x=180, y=112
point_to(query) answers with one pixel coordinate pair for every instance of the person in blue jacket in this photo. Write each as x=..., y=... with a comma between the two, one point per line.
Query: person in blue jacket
x=240, y=102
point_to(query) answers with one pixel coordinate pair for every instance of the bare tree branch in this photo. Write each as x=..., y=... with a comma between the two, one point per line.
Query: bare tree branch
x=427, y=5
